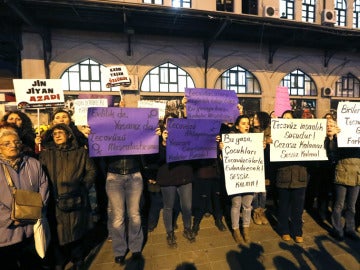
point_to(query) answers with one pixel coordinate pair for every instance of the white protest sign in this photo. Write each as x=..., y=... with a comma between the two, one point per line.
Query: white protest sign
x=161, y=105
x=116, y=75
x=38, y=93
x=298, y=139
x=348, y=120
x=81, y=108
x=243, y=159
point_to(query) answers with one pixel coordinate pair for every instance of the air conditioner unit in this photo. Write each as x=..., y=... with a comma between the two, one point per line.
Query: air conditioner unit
x=327, y=92
x=328, y=17
x=270, y=12
x=133, y=85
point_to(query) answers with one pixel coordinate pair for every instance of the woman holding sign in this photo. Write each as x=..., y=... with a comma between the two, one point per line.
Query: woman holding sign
x=244, y=200
x=291, y=181
x=175, y=178
x=347, y=184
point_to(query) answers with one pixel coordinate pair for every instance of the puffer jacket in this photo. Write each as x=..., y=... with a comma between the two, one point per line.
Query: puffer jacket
x=70, y=170
x=29, y=176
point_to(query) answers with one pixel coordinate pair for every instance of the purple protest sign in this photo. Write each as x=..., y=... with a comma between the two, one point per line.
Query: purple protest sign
x=122, y=131
x=191, y=139
x=211, y=104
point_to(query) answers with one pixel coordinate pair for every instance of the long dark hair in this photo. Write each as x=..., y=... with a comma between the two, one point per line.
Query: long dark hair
x=264, y=119
x=234, y=129
x=26, y=132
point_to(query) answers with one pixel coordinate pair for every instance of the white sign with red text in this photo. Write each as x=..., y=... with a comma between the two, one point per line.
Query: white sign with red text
x=116, y=75
x=38, y=93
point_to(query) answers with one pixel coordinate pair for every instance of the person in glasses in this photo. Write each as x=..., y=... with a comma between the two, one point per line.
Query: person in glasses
x=71, y=173
x=60, y=116
x=17, y=248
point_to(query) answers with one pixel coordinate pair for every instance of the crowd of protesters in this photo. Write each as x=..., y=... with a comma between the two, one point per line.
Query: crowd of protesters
x=131, y=190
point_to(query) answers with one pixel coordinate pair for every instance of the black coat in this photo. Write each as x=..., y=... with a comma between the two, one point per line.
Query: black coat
x=70, y=170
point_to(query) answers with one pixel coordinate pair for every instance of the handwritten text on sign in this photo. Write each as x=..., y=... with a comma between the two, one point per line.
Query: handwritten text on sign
x=243, y=158
x=191, y=139
x=298, y=139
x=122, y=131
x=348, y=120
x=211, y=104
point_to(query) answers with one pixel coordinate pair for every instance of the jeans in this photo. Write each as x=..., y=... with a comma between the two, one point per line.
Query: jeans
x=169, y=197
x=242, y=200
x=344, y=195
x=124, y=193
x=291, y=206
x=259, y=200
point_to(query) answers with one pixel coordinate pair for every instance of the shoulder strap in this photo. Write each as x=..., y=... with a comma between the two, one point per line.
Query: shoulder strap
x=7, y=176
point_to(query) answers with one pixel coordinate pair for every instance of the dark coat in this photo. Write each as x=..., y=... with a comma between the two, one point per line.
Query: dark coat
x=291, y=175
x=70, y=170
x=174, y=173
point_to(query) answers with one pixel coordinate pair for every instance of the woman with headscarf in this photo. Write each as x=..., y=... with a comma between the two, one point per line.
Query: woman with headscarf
x=71, y=173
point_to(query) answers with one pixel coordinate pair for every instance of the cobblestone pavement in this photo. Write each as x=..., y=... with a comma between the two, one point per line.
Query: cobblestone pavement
x=215, y=250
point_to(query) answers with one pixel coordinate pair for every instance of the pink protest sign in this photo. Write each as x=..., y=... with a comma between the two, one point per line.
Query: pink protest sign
x=282, y=100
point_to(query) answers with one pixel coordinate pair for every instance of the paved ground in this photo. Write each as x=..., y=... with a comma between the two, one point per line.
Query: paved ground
x=215, y=250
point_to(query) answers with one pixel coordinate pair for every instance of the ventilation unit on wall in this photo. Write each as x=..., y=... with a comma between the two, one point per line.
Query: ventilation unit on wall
x=270, y=12
x=327, y=92
x=133, y=85
x=328, y=17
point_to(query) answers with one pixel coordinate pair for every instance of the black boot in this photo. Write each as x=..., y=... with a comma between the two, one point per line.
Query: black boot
x=189, y=235
x=171, y=240
x=220, y=225
x=196, y=227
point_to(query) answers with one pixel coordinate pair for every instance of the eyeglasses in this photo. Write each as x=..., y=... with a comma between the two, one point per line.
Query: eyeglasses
x=58, y=133
x=11, y=144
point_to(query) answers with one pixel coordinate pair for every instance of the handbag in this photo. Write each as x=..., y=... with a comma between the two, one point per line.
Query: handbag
x=26, y=205
x=69, y=202
x=42, y=236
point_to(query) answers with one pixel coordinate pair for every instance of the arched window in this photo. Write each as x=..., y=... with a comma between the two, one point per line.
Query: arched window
x=181, y=3
x=167, y=78
x=240, y=80
x=348, y=86
x=308, y=10
x=287, y=9
x=340, y=7
x=299, y=85
x=356, y=17
x=156, y=2
x=85, y=76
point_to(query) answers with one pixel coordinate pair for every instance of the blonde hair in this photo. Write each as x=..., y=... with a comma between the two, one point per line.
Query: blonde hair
x=6, y=132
